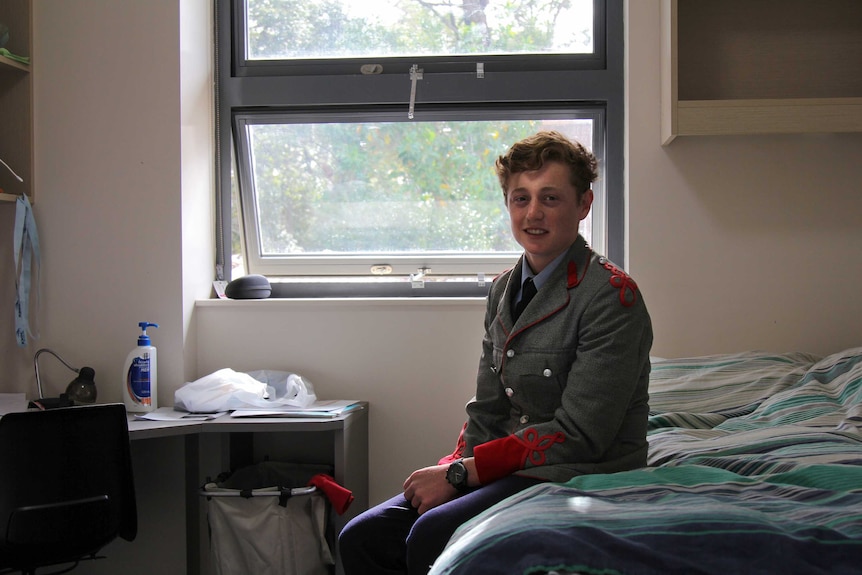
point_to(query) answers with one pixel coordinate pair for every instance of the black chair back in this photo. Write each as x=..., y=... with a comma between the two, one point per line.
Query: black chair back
x=66, y=485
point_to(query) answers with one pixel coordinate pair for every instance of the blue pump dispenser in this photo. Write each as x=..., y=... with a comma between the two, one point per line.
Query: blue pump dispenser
x=140, y=374
x=144, y=339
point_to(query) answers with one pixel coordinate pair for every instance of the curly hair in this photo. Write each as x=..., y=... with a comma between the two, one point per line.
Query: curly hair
x=534, y=151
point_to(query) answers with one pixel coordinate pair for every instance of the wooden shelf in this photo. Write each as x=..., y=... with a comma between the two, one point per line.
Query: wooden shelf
x=760, y=67
x=16, y=102
x=8, y=64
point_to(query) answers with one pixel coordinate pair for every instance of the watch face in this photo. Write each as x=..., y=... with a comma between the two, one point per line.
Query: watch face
x=456, y=474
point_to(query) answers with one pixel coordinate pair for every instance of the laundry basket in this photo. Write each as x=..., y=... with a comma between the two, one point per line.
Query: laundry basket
x=265, y=520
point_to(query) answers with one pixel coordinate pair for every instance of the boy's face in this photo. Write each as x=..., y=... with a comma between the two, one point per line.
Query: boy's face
x=545, y=212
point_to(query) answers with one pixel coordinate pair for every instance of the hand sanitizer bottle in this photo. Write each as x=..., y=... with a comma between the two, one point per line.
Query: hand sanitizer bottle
x=140, y=375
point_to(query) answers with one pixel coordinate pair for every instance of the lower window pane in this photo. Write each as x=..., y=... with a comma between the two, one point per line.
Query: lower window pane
x=384, y=189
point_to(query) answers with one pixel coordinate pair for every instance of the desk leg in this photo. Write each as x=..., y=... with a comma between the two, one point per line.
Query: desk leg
x=351, y=470
x=207, y=455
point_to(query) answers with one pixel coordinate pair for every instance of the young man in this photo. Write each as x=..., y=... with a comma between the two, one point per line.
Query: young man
x=562, y=383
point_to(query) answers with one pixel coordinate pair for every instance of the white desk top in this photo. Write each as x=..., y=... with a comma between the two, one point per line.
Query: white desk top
x=145, y=429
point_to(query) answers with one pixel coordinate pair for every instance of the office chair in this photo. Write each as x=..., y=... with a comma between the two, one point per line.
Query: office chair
x=66, y=486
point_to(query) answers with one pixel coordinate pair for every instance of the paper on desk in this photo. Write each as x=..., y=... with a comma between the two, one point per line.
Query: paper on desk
x=320, y=408
x=171, y=414
x=12, y=402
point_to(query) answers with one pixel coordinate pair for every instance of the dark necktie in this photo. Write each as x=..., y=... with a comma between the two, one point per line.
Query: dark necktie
x=527, y=292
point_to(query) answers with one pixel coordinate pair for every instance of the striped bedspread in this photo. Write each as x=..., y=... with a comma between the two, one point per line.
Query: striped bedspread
x=755, y=467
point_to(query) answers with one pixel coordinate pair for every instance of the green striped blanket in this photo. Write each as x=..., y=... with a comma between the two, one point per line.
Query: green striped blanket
x=755, y=467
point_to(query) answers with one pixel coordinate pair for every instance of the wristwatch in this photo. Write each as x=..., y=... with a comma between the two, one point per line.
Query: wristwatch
x=456, y=475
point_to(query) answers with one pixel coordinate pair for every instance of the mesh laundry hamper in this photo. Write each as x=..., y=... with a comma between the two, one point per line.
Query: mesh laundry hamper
x=265, y=521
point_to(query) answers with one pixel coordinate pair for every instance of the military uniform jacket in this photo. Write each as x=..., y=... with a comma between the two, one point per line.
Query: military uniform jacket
x=563, y=391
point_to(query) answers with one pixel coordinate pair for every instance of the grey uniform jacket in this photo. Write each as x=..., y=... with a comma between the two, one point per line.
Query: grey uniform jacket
x=574, y=367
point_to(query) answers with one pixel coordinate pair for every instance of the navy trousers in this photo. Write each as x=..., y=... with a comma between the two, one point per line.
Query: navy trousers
x=392, y=538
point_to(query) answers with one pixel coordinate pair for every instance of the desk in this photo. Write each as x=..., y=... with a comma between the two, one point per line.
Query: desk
x=172, y=460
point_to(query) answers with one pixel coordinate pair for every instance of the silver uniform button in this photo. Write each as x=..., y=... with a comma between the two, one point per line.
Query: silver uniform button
x=547, y=373
x=510, y=353
x=494, y=368
x=525, y=419
x=510, y=392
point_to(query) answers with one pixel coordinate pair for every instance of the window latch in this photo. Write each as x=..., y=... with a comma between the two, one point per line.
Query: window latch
x=417, y=280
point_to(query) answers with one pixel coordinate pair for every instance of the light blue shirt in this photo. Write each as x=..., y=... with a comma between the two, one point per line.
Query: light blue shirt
x=540, y=278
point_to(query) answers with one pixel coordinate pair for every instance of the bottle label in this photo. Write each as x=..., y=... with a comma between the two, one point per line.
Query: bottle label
x=138, y=380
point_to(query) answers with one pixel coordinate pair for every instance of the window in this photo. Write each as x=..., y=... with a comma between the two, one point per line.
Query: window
x=358, y=138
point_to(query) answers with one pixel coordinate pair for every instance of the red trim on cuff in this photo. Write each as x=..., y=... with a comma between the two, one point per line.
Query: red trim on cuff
x=501, y=457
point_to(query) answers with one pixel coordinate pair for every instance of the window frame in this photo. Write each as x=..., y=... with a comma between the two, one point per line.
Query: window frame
x=574, y=81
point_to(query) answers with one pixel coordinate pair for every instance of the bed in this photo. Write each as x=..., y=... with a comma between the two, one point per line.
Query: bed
x=755, y=466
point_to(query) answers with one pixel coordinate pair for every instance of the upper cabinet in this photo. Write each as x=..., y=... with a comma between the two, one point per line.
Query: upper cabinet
x=16, y=100
x=760, y=67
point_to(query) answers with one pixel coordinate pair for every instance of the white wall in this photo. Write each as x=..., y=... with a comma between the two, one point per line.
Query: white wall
x=737, y=243
x=198, y=169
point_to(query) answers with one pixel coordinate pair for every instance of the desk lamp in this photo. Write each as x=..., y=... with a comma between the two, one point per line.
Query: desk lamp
x=80, y=391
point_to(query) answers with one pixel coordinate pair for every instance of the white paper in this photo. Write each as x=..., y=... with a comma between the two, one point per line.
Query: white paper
x=320, y=408
x=171, y=414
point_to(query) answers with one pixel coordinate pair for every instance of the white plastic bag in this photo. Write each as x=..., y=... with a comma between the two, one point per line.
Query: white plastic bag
x=226, y=390
x=290, y=389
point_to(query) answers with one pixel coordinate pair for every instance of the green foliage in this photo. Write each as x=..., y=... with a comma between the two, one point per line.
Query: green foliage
x=412, y=186
x=326, y=28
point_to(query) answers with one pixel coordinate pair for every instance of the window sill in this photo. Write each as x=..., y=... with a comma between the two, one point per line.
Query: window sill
x=436, y=287
x=382, y=289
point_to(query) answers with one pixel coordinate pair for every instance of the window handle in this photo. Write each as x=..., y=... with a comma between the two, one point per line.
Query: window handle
x=415, y=75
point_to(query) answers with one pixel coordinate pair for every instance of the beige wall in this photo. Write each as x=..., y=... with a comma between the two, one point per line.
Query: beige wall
x=737, y=243
x=414, y=361
x=124, y=205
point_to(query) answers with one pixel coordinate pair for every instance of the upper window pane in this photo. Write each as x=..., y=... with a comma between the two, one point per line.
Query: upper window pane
x=322, y=29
